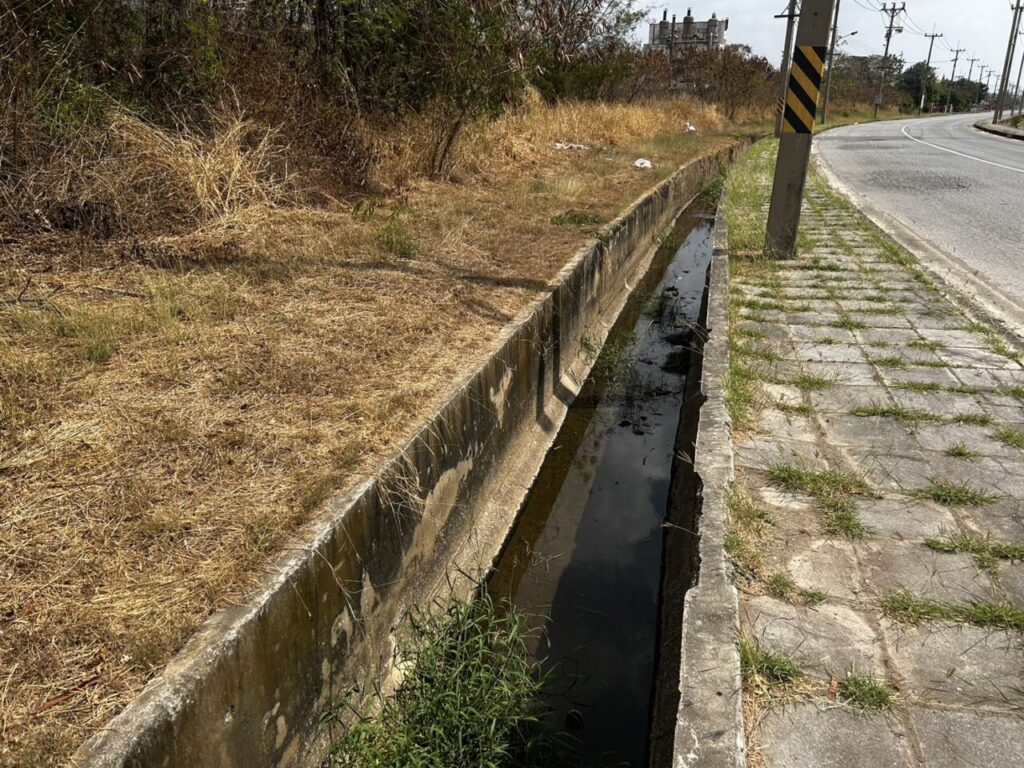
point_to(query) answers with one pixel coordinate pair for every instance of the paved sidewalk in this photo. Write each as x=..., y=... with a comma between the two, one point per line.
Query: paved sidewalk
x=877, y=521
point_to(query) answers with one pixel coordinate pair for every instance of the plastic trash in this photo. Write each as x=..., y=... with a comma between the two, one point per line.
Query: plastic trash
x=643, y=164
x=690, y=127
x=570, y=145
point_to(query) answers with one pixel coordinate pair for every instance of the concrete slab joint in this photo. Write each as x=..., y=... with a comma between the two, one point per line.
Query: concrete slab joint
x=250, y=687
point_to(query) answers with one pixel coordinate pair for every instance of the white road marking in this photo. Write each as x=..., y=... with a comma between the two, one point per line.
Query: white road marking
x=961, y=154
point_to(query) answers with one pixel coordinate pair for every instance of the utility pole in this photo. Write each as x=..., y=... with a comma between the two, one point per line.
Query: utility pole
x=831, y=58
x=952, y=77
x=1020, y=70
x=787, y=53
x=970, y=69
x=981, y=74
x=798, y=128
x=893, y=13
x=988, y=79
x=927, y=71
x=1008, y=62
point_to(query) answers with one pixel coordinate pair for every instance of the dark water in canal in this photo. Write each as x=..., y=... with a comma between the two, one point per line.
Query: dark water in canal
x=584, y=559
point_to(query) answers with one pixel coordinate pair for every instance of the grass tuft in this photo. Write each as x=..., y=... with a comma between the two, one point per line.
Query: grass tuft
x=898, y=412
x=961, y=451
x=1010, y=436
x=759, y=664
x=987, y=552
x=831, y=490
x=846, y=322
x=865, y=692
x=951, y=494
x=908, y=609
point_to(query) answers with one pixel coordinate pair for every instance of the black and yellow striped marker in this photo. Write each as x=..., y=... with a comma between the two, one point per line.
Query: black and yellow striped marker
x=804, y=87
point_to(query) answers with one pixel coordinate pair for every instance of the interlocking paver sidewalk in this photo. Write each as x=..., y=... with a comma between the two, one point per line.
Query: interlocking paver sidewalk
x=878, y=515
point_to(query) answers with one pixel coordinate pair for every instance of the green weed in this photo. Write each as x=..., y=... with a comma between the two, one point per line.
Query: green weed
x=865, y=692
x=952, y=494
x=905, y=607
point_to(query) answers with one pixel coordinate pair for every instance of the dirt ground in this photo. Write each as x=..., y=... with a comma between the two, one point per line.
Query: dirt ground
x=167, y=422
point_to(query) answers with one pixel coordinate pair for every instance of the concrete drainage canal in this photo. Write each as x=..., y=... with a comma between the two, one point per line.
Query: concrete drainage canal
x=605, y=531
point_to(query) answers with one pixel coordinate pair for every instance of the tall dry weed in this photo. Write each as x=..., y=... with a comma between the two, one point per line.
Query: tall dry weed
x=526, y=134
x=188, y=177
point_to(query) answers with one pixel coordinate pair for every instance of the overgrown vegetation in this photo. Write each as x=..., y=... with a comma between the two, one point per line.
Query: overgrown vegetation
x=469, y=697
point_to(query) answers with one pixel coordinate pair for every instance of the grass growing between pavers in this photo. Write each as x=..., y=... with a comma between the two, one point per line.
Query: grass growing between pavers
x=987, y=552
x=907, y=608
x=961, y=451
x=865, y=692
x=951, y=494
x=763, y=667
x=744, y=539
x=1010, y=436
x=896, y=411
x=833, y=492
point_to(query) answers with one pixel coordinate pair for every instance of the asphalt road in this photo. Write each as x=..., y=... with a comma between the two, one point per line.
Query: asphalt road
x=939, y=182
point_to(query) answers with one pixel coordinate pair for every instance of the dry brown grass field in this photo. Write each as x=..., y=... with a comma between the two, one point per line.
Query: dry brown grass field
x=175, y=403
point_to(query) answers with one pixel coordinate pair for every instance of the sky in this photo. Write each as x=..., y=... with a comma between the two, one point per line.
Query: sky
x=982, y=27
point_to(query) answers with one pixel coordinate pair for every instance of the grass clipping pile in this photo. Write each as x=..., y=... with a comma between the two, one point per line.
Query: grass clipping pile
x=206, y=352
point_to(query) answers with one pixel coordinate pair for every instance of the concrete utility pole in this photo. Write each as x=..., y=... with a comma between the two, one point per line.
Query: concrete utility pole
x=787, y=53
x=970, y=69
x=828, y=77
x=831, y=58
x=988, y=79
x=893, y=13
x=927, y=70
x=1008, y=62
x=798, y=128
x=1018, y=104
x=952, y=77
x=981, y=74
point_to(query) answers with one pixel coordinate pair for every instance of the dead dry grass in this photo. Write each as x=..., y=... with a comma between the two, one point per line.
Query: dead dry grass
x=168, y=419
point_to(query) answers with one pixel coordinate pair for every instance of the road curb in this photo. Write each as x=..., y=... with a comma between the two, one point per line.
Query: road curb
x=1000, y=130
x=709, y=723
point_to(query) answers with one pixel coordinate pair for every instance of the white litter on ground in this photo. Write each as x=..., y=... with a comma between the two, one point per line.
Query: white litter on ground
x=690, y=127
x=570, y=145
x=643, y=164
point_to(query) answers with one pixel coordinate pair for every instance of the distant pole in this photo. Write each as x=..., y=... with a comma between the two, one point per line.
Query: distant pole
x=970, y=69
x=927, y=70
x=831, y=61
x=981, y=74
x=798, y=128
x=893, y=13
x=952, y=78
x=1017, y=102
x=787, y=53
x=988, y=79
x=1008, y=62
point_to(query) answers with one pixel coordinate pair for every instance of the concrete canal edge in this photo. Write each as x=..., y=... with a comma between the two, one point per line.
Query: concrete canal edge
x=250, y=688
x=709, y=724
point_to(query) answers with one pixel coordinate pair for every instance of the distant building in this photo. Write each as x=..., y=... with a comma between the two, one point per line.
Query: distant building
x=676, y=38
